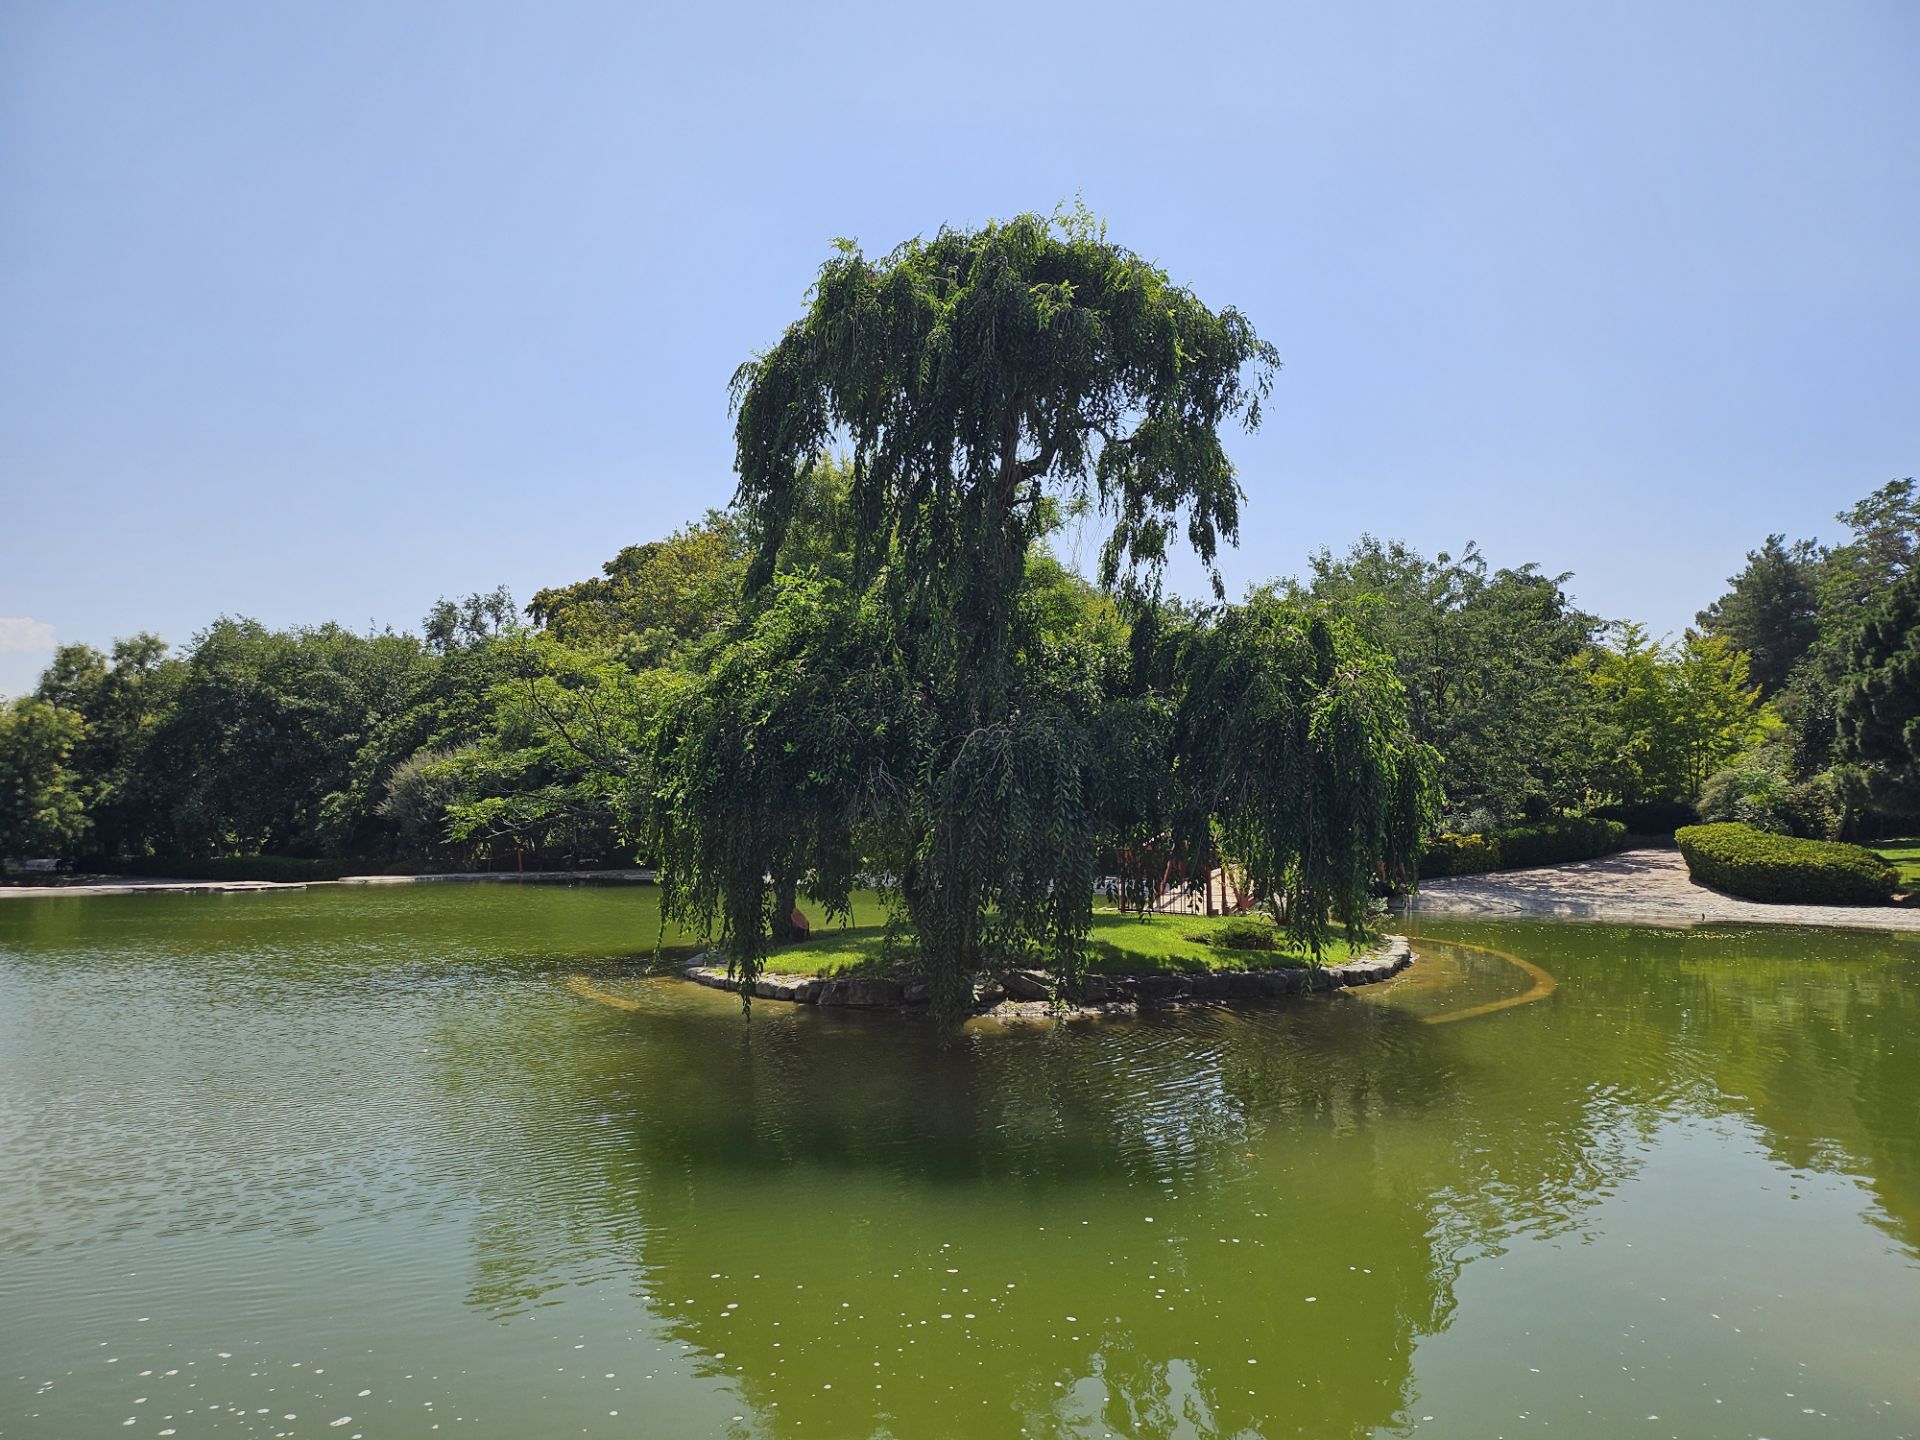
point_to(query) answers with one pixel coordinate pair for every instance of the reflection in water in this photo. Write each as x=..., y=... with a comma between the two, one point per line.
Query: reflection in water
x=1339, y=1151
x=1041, y=1223
x=404, y=1134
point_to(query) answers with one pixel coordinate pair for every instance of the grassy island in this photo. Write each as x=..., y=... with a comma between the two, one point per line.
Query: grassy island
x=1117, y=945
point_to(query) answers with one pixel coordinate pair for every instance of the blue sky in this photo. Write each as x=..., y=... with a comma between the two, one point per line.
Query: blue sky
x=315, y=311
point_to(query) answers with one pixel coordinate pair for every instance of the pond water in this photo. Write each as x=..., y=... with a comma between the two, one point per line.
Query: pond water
x=381, y=1163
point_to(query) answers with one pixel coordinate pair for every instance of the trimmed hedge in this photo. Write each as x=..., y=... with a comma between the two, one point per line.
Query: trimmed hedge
x=1779, y=869
x=1551, y=842
x=1459, y=855
x=1554, y=842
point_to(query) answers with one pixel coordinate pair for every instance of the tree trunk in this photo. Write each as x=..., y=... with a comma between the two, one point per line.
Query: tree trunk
x=786, y=900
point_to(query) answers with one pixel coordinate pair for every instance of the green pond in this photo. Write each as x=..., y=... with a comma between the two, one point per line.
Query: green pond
x=382, y=1163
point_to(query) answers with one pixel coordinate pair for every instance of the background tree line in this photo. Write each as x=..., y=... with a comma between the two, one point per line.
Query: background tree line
x=496, y=736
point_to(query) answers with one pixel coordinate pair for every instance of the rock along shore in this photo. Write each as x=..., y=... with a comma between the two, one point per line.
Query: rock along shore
x=1032, y=992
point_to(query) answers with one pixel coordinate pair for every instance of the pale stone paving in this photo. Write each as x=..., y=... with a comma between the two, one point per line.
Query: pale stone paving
x=1649, y=886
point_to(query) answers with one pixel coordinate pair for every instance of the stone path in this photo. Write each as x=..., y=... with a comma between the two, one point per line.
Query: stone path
x=1635, y=885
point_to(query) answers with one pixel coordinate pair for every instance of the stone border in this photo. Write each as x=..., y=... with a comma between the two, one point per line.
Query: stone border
x=1022, y=991
x=506, y=877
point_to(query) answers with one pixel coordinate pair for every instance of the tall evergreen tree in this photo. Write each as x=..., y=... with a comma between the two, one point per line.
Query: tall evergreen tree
x=1771, y=610
x=1879, y=703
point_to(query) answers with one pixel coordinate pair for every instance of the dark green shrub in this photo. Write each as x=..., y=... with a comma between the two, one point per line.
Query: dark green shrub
x=1243, y=932
x=1554, y=842
x=1551, y=842
x=432, y=865
x=1780, y=869
x=1759, y=789
x=1459, y=855
x=1651, y=817
x=283, y=868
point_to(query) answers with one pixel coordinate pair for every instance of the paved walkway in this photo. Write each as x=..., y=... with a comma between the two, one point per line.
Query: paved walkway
x=1635, y=885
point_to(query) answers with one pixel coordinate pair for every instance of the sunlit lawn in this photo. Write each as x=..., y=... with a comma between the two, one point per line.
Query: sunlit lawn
x=1905, y=855
x=1120, y=944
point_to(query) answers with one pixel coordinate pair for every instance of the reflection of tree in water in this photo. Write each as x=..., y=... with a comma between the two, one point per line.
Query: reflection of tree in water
x=1807, y=1035
x=1029, y=1163
x=831, y=1170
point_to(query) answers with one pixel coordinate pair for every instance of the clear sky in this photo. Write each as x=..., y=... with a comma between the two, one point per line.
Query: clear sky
x=320, y=311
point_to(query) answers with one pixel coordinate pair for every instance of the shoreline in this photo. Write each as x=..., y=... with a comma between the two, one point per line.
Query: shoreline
x=1632, y=887
x=140, y=885
x=1028, y=994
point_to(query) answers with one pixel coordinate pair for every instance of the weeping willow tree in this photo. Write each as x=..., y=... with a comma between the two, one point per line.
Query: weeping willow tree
x=978, y=376
x=1294, y=758
x=766, y=763
x=948, y=739
x=807, y=753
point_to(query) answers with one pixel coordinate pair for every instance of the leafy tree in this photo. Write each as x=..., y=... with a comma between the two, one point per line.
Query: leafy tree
x=121, y=699
x=1878, y=709
x=767, y=766
x=1292, y=745
x=953, y=709
x=403, y=775
x=654, y=600
x=557, y=771
x=976, y=374
x=1766, y=614
x=1713, y=712
x=463, y=624
x=1886, y=539
x=1807, y=707
x=1671, y=716
x=656, y=604
x=262, y=732
x=1492, y=662
x=1638, y=762
x=1771, y=610
x=420, y=793
x=42, y=802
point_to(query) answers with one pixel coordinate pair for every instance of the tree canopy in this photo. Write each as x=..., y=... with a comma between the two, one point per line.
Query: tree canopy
x=974, y=374
x=1491, y=662
x=42, y=795
x=1771, y=610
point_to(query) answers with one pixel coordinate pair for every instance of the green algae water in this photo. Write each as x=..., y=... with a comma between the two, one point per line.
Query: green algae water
x=387, y=1163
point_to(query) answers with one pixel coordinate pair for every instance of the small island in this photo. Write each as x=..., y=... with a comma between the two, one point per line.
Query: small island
x=1133, y=961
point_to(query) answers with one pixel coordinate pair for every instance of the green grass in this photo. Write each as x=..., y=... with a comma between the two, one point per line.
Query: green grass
x=1119, y=945
x=1904, y=855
